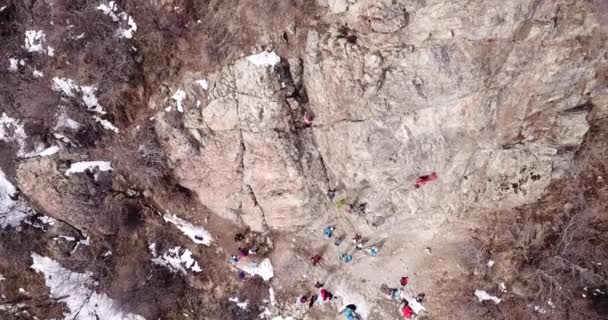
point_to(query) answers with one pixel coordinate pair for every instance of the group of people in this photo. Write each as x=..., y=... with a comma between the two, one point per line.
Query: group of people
x=242, y=251
x=395, y=294
x=357, y=240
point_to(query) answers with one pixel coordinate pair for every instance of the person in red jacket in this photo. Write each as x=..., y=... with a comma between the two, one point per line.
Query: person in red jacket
x=422, y=180
x=326, y=295
x=404, y=281
x=406, y=310
x=315, y=260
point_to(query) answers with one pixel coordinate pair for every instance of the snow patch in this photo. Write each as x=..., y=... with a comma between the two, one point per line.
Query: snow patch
x=179, y=96
x=483, y=296
x=540, y=309
x=65, y=122
x=127, y=25
x=243, y=305
x=177, y=259
x=90, y=99
x=83, y=166
x=13, y=210
x=47, y=220
x=13, y=64
x=40, y=221
x=34, y=40
x=67, y=86
x=43, y=152
x=203, y=83
x=11, y=130
x=263, y=269
x=273, y=297
x=264, y=59
x=198, y=234
x=37, y=74
x=106, y=124
x=502, y=287
x=70, y=88
x=74, y=289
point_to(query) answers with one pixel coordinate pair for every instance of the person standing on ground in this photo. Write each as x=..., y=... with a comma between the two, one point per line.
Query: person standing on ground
x=406, y=310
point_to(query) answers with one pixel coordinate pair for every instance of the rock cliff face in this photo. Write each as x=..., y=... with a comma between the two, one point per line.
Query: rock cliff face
x=494, y=98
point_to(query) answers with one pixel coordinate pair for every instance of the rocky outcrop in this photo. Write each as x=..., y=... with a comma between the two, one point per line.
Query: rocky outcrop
x=491, y=99
x=241, y=153
x=490, y=104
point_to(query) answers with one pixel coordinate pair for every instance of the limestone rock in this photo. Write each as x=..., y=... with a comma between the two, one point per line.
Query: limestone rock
x=487, y=97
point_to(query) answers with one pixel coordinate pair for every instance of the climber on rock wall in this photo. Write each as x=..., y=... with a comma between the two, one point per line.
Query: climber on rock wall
x=422, y=180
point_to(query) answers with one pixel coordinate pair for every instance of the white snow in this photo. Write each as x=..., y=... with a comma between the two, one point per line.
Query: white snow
x=2, y=8
x=273, y=297
x=483, y=296
x=128, y=25
x=47, y=220
x=108, y=9
x=34, y=40
x=264, y=59
x=11, y=130
x=90, y=99
x=13, y=64
x=43, y=152
x=106, y=124
x=70, y=88
x=40, y=221
x=66, y=86
x=179, y=96
x=540, y=310
x=128, y=33
x=66, y=238
x=203, y=83
x=108, y=253
x=243, y=305
x=502, y=286
x=74, y=289
x=37, y=74
x=265, y=314
x=177, y=259
x=12, y=210
x=50, y=51
x=263, y=269
x=64, y=121
x=198, y=234
x=88, y=165
x=490, y=263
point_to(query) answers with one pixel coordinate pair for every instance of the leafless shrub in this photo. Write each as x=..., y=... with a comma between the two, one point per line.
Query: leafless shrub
x=476, y=256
